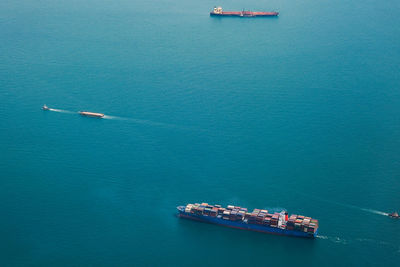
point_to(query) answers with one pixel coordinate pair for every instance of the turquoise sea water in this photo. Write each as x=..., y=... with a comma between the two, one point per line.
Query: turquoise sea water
x=300, y=112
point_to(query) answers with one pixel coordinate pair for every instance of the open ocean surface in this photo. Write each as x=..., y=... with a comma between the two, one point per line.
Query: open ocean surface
x=300, y=112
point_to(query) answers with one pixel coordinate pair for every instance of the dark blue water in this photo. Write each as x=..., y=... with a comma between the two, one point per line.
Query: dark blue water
x=300, y=112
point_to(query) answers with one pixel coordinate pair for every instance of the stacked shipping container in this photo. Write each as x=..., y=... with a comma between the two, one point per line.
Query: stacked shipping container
x=257, y=217
x=301, y=223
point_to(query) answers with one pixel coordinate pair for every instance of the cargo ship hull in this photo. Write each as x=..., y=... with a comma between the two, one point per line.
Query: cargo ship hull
x=244, y=14
x=243, y=225
x=91, y=114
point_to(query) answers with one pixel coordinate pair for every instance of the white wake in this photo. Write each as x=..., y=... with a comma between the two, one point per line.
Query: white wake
x=62, y=111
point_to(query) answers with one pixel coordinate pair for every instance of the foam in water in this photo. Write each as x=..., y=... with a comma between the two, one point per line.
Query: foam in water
x=339, y=240
x=108, y=117
x=363, y=209
x=348, y=205
x=333, y=239
x=61, y=111
x=147, y=122
x=138, y=121
x=151, y=123
x=376, y=212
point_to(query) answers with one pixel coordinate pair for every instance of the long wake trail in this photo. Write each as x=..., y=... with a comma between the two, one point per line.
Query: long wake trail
x=342, y=241
x=62, y=111
x=335, y=239
x=375, y=211
x=359, y=208
x=137, y=121
x=152, y=123
x=347, y=205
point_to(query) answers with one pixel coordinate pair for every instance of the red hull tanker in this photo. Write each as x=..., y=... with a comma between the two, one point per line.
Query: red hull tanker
x=217, y=11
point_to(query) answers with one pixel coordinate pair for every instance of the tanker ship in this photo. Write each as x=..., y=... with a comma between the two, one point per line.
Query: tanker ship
x=217, y=11
x=257, y=220
x=91, y=114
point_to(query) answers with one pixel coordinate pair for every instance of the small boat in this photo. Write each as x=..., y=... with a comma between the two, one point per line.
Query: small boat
x=45, y=107
x=394, y=215
x=91, y=114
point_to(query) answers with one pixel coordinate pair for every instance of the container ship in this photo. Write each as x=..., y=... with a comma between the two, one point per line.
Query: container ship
x=257, y=220
x=217, y=11
x=91, y=114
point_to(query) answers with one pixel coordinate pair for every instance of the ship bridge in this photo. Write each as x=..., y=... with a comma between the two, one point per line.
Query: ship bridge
x=217, y=10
